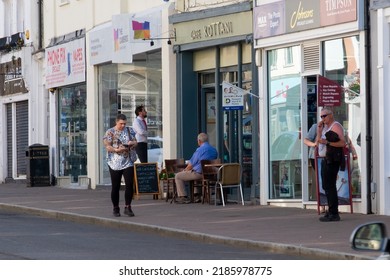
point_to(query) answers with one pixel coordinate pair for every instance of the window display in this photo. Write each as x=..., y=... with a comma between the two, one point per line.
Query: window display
x=122, y=87
x=285, y=124
x=72, y=132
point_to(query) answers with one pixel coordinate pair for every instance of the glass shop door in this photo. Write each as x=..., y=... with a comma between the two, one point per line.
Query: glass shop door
x=72, y=132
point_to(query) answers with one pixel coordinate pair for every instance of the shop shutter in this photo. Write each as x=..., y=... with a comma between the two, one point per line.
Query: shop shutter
x=21, y=136
x=9, y=140
x=311, y=58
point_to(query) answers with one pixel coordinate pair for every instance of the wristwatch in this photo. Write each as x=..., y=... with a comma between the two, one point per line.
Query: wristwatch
x=327, y=143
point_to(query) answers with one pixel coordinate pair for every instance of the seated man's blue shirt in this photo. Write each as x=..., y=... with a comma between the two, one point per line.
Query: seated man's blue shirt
x=203, y=152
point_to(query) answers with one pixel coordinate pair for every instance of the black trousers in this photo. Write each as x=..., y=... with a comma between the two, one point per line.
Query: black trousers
x=142, y=151
x=329, y=173
x=116, y=177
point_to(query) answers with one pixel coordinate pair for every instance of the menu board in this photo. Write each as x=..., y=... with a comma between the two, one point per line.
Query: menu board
x=146, y=178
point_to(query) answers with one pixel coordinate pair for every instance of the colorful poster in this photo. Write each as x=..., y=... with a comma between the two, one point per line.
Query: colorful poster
x=133, y=34
x=143, y=28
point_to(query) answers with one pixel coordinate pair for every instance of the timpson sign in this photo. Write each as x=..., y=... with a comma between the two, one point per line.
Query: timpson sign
x=213, y=28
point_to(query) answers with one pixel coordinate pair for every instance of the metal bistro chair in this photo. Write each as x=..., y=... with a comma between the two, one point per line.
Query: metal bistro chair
x=172, y=166
x=209, y=174
x=229, y=176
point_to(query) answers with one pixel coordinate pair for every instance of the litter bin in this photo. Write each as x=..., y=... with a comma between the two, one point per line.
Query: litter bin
x=38, y=168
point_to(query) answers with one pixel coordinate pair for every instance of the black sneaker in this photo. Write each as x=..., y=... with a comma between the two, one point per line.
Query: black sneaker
x=128, y=212
x=326, y=214
x=330, y=218
x=116, y=212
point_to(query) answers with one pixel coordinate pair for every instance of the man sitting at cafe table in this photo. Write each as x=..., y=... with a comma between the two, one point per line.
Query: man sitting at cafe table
x=193, y=170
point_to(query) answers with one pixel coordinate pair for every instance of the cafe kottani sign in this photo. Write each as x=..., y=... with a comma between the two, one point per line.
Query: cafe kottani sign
x=213, y=30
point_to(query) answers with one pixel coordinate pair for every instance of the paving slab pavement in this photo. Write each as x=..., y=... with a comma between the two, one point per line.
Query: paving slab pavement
x=277, y=229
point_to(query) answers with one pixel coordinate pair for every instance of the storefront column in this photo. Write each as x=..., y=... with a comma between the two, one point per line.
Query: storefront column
x=93, y=126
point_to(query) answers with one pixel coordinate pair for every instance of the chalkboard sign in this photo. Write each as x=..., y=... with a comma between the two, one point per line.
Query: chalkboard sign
x=146, y=178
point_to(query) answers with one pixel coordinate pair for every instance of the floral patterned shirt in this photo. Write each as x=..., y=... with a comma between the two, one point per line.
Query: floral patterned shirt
x=119, y=161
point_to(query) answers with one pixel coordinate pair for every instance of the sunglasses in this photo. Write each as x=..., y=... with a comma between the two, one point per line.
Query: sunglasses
x=323, y=116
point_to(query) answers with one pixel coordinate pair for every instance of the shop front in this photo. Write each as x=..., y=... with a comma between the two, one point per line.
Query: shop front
x=128, y=73
x=327, y=47
x=214, y=55
x=122, y=89
x=66, y=81
x=14, y=102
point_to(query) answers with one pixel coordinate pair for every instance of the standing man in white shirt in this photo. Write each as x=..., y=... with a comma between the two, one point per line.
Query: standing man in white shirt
x=141, y=133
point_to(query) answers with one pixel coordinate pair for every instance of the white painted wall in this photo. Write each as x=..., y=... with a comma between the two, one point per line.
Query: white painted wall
x=19, y=16
x=382, y=116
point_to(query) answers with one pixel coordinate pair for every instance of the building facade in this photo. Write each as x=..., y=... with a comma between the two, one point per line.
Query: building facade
x=104, y=63
x=24, y=102
x=303, y=48
x=214, y=53
x=62, y=87
x=380, y=65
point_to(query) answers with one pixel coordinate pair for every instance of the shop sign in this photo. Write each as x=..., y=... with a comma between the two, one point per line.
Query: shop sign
x=65, y=64
x=133, y=33
x=334, y=12
x=329, y=92
x=213, y=28
x=269, y=20
x=232, y=97
x=15, y=86
x=121, y=52
x=288, y=16
x=100, y=45
x=302, y=15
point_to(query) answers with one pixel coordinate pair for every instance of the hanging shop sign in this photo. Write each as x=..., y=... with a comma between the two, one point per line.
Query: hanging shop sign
x=329, y=92
x=135, y=33
x=65, y=64
x=125, y=36
x=232, y=97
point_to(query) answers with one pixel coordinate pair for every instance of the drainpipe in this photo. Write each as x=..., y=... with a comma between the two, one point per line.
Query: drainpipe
x=367, y=29
x=40, y=23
